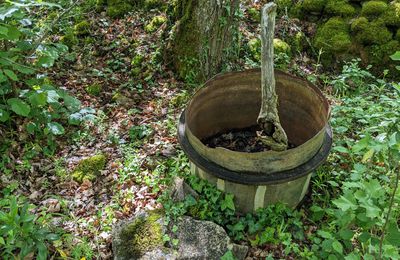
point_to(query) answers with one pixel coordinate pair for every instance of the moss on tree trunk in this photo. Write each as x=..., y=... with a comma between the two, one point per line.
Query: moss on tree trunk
x=203, y=37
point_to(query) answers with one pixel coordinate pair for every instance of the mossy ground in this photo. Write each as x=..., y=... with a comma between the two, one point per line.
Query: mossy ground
x=89, y=168
x=142, y=235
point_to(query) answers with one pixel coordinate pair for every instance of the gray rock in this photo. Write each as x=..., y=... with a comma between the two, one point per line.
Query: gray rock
x=181, y=189
x=205, y=240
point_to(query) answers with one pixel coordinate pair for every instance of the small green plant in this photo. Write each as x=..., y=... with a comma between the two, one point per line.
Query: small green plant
x=21, y=233
x=27, y=94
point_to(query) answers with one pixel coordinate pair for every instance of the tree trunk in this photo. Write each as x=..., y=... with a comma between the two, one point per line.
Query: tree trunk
x=274, y=135
x=203, y=37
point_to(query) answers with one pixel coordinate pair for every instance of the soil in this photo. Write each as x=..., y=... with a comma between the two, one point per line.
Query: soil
x=240, y=140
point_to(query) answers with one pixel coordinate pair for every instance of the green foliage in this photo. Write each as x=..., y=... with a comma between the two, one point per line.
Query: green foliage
x=89, y=168
x=94, y=89
x=254, y=15
x=22, y=233
x=26, y=93
x=352, y=80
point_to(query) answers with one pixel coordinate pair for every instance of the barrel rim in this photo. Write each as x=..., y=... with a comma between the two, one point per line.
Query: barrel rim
x=251, y=177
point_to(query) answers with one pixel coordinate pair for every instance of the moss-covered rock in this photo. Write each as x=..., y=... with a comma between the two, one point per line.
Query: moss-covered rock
x=89, y=168
x=281, y=47
x=372, y=9
x=154, y=4
x=313, y=6
x=94, y=89
x=254, y=46
x=373, y=33
x=397, y=35
x=359, y=24
x=333, y=37
x=82, y=28
x=118, y=8
x=155, y=23
x=339, y=8
x=142, y=235
x=391, y=16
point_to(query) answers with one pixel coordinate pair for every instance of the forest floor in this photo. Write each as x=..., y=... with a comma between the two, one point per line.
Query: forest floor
x=135, y=128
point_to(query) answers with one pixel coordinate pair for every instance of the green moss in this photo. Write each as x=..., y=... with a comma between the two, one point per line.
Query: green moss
x=142, y=235
x=155, y=23
x=339, y=8
x=70, y=40
x=94, y=89
x=373, y=9
x=333, y=37
x=379, y=56
x=359, y=24
x=118, y=8
x=154, y=4
x=254, y=46
x=82, y=28
x=391, y=16
x=313, y=6
x=373, y=33
x=254, y=15
x=397, y=36
x=89, y=168
x=281, y=47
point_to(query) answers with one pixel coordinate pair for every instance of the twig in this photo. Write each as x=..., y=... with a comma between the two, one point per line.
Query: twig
x=396, y=185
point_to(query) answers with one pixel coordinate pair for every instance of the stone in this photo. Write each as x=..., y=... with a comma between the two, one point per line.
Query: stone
x=181, y=189
x=141, y=237
x=205, y=240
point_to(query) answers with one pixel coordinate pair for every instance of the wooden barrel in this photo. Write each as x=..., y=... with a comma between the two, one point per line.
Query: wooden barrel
x=233, y=100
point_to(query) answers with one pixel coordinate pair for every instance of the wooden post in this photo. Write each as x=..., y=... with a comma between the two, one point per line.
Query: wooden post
x=273, y=133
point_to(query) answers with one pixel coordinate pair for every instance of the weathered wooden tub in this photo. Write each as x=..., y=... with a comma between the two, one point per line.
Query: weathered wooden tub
x=233, y=100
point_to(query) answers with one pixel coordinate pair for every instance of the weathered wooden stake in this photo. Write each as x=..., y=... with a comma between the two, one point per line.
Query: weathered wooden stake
x=273, y=133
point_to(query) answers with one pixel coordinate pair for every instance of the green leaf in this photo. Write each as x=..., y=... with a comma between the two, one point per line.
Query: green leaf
x=2, y=77
x=341, y=149
x=368, y=155
x=3, y=30
x=55, y=128
x=71, y=103
x=19, y=107
x=45, y=61
x=352, y=256
x=345, y=202
x=4, y=115
x=324, y=234
x=395, y=56
x=228, y=256
x=11, y=74
x=227, y=203
x=337, y=246
x=38, y=99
